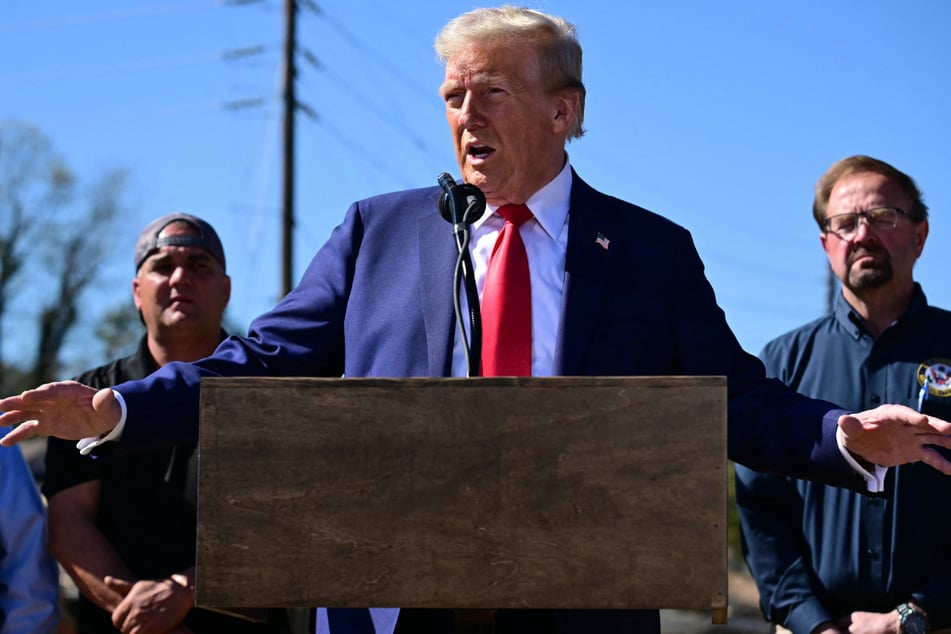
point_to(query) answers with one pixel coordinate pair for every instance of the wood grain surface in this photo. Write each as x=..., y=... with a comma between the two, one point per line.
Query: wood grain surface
x=463, y=493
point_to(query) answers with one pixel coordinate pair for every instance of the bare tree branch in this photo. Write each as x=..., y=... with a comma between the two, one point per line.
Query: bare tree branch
x=80, y=248
x=34, y=182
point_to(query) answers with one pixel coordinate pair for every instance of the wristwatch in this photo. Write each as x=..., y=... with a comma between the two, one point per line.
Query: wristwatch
x=911, y=620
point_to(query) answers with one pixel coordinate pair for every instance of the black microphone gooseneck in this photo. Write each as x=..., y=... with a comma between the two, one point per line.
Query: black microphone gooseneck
x=462, y=205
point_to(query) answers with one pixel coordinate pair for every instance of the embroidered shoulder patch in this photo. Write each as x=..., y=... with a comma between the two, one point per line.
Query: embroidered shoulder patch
x=938, y=374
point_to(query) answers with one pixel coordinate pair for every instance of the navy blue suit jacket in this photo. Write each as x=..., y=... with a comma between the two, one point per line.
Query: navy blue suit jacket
x=376, y=301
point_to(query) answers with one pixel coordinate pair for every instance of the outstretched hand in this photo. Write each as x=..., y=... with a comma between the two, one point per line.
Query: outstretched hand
x=66, y=409
x=891, y=435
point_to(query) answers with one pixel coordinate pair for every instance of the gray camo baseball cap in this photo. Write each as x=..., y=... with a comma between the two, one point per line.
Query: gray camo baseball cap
x=149, y=241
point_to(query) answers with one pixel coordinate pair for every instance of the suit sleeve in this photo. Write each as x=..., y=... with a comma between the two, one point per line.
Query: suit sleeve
x=770, y=427
x=301, y=336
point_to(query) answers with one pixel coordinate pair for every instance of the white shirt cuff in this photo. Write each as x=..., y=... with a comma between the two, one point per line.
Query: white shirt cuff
x=86, y=445
x=874, y=481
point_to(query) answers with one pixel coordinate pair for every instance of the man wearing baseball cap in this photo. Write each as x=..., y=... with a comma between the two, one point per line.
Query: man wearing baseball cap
x=124, y=527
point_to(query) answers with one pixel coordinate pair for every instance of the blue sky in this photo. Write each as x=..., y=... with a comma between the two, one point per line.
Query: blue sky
x=718, y=115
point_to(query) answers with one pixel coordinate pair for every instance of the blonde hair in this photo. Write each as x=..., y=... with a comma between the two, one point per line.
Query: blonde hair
x=558, y=51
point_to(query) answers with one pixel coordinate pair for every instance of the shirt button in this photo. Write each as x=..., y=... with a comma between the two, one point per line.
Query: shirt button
x=872, y=554
x=876, y=399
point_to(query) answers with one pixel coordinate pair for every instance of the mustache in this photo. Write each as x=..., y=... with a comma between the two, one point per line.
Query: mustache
x=863, y=251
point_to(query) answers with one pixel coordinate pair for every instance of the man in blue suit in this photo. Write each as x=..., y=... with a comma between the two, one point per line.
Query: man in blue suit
x=615, y=290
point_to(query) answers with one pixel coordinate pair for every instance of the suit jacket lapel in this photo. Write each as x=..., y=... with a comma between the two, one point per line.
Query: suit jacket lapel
x=437, y=260
x=587, y=277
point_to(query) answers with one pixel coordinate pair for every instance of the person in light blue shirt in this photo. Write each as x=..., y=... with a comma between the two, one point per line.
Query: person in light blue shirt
x=29, y=578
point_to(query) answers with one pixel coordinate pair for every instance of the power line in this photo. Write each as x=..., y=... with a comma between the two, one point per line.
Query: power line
x=31, y=77
x=375, y=108
x=365, y=154
x=67, y=21
x=380, y=59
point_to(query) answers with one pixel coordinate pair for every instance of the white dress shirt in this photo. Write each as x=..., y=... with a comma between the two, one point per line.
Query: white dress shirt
x=546, y=243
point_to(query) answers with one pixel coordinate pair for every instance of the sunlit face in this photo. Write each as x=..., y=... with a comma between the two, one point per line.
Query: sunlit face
x=509, y=132
x=875, y=258
x=181, y=288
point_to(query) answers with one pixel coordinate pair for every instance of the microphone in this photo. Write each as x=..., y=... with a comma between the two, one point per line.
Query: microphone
x=447, y=182
x=459, y=203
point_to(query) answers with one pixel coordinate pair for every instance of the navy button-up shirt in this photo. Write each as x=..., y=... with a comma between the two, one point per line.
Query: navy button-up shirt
x=819, y=552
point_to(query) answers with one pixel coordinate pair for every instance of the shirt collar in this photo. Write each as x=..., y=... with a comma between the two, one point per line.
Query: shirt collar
x=549, y=204
x=853, y=322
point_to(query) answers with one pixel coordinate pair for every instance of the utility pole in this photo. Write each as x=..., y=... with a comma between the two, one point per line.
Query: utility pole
x=290, y=107
x=831, y=289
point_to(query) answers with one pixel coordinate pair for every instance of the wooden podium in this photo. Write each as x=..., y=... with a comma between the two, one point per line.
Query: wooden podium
x=464, y=493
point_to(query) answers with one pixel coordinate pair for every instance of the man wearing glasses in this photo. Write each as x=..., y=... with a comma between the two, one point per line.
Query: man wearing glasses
x=826, y=559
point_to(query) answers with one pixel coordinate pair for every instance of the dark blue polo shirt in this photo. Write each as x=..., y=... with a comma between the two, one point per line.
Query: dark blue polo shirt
x=819, y=552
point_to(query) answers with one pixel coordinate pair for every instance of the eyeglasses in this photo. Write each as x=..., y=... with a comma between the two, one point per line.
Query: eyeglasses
x=845, y=226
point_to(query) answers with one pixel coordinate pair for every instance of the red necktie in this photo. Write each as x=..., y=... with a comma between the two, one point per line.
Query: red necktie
x=507, y=301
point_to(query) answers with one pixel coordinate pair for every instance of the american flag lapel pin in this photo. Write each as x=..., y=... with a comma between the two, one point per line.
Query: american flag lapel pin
x=602, y=242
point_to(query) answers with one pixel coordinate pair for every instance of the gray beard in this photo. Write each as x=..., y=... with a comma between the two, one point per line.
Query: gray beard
x=873, y=276
x=863, y=278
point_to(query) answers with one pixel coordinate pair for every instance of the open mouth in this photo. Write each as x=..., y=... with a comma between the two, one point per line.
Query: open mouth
x=479, y=152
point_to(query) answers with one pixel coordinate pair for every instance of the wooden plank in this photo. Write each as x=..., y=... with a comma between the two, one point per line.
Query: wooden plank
x=463, y=493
